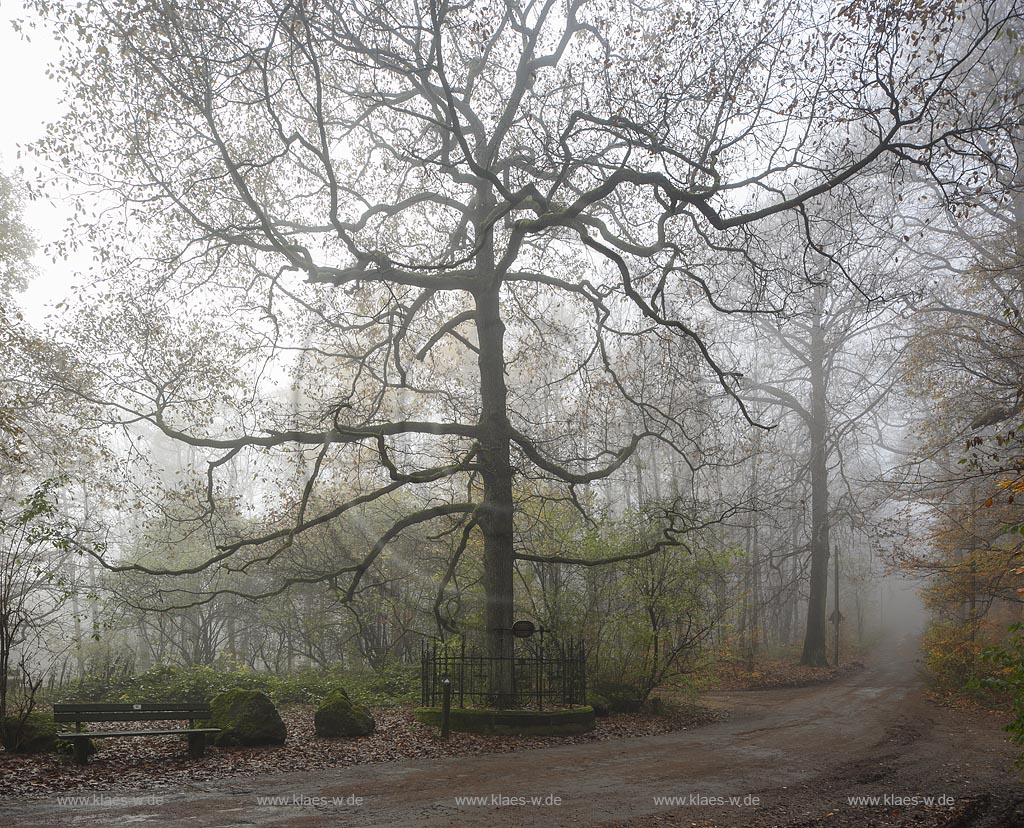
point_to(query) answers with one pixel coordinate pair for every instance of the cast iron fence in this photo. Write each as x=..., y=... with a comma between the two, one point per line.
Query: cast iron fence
x=543, y=674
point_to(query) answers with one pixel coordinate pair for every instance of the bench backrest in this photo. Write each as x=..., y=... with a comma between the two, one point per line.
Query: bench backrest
x=147, y=711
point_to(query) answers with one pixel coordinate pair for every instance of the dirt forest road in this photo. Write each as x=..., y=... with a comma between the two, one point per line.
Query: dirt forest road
x=800, y=752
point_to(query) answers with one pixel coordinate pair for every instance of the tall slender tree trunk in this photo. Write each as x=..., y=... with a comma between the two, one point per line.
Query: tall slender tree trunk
x=753, y=565
x=815, y=635
x=495, y=513
x=77, y=620
x=790, y=589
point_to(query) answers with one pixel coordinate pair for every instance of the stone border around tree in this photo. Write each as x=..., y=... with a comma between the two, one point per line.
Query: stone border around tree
x=513, y=722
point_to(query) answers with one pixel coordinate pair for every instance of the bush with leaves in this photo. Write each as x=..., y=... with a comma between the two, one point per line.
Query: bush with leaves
x=1008, y=677
x=394, y=685
x=34, y=587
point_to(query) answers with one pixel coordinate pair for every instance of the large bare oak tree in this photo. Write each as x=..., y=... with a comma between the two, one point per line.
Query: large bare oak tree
x=428, y=214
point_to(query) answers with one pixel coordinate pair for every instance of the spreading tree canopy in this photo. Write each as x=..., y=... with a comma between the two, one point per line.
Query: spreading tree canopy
x=478, y=241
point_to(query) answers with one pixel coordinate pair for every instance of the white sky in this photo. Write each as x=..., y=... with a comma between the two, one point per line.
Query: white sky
x=28, y=100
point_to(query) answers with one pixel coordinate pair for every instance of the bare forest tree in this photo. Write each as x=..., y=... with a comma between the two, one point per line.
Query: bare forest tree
x=452, y=210
x=837, y=361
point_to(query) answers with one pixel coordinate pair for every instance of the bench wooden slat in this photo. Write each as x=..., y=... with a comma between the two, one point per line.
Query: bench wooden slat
x=128, y=707
x=135, y=716
x=126, y=712
x=108, y=733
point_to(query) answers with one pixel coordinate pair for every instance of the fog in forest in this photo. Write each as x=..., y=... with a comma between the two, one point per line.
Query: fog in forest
x=416, y=382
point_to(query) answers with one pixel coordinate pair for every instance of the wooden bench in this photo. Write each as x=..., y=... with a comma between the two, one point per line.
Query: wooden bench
x=148, y=711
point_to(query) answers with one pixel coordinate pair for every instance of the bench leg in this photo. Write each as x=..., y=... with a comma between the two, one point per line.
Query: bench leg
x=196, y=744
x=81, y=751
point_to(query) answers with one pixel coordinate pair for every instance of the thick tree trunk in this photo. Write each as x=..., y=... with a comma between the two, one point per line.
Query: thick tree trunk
x=495, y=512
x=815, y=636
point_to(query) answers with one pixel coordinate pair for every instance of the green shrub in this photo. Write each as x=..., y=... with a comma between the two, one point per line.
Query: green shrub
x=168, y=682
x=93, y=688
x=304, y=687
x=392, y=686
x=190, y=684
x=620, y=696
x=1008, y=663
x=35, y=733
x=957, y=661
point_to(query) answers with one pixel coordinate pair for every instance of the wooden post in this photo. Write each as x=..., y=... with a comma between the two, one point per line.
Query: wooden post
x=196, y=744
x=446, y=708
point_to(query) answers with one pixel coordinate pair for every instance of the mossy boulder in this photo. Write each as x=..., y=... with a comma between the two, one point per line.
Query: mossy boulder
x=246, y=718
x=339, y=716
x=599, y=703
x=36, y=733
